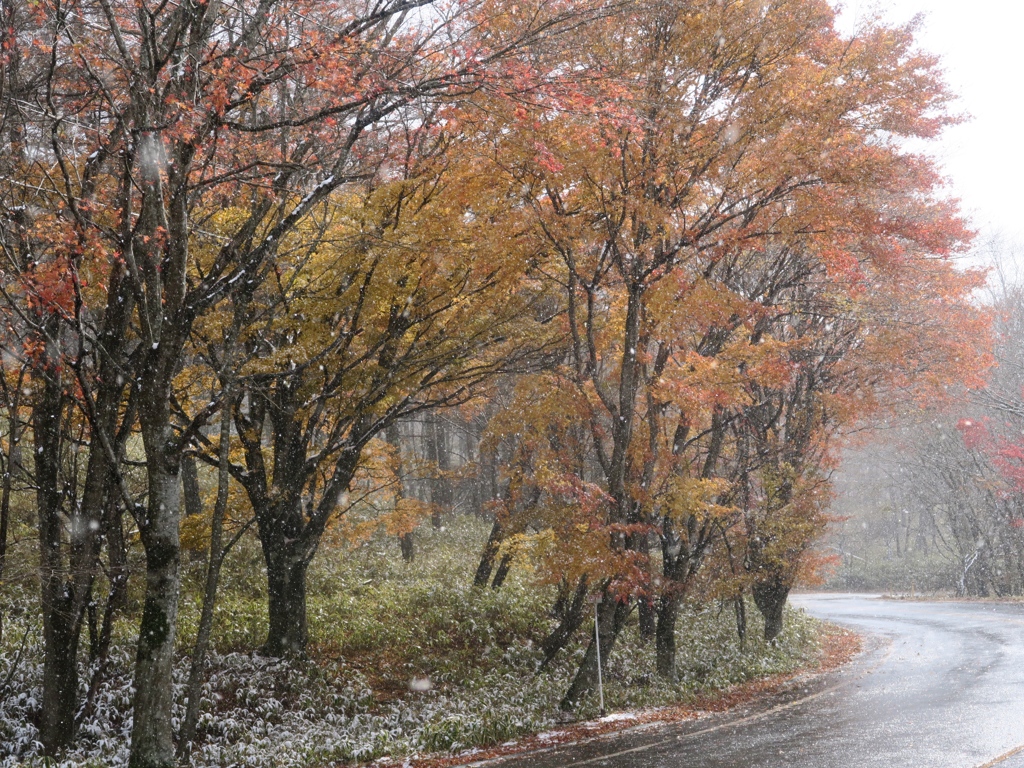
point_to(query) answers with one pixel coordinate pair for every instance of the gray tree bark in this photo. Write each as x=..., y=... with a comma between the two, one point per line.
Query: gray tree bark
x=770, y=599
x=215, y=560
x=611, y=619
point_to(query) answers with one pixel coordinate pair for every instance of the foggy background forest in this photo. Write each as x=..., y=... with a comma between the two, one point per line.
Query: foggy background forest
x=931, y=501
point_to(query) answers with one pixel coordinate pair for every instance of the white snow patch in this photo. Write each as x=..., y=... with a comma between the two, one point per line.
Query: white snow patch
x=618, y=716
x=549, y=735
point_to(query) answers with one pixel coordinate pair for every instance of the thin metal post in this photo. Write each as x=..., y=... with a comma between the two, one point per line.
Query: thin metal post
x=597, y=641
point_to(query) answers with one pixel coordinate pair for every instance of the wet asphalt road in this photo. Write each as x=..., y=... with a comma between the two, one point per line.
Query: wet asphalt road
x=941, y=685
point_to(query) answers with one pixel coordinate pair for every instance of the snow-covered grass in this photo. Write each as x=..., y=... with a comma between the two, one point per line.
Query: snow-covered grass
x=376, y=625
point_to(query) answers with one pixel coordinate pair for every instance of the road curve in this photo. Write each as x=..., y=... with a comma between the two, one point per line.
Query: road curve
x=940, y=686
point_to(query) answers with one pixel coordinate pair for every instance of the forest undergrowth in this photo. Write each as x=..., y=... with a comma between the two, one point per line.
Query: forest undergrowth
x=404, y=658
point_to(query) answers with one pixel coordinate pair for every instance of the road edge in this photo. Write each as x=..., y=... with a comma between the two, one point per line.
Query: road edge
x=842, y=649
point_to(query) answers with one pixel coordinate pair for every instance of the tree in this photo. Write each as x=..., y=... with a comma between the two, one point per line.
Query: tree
x=144, y=122
x=666, y=209
x=401, y=312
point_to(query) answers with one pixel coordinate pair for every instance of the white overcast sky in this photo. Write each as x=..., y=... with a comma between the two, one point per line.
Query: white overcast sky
x=979, y=42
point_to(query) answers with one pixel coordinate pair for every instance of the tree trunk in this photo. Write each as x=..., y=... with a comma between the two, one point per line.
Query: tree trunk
x=152, y=738
x=611, y=618
x=289, y=541
x=67, y=581
x=152, y=742
x=770, y=598
x=406, y=542
x=665, y=636
x=490, y=552
x=60, y=681
x=740, y=607
x=191, y=496
x=408, y=546
x=286, y=582
x=572, y=613
x=13, y=436
x=679, y=562
x=487, y=478
x=648, y=616
x=60, y=626
x=215, y=558
x=117, y=571
x=94, y=630
x=437, y=454
x=289, y=532
x=5, y=514
x=502, y=573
